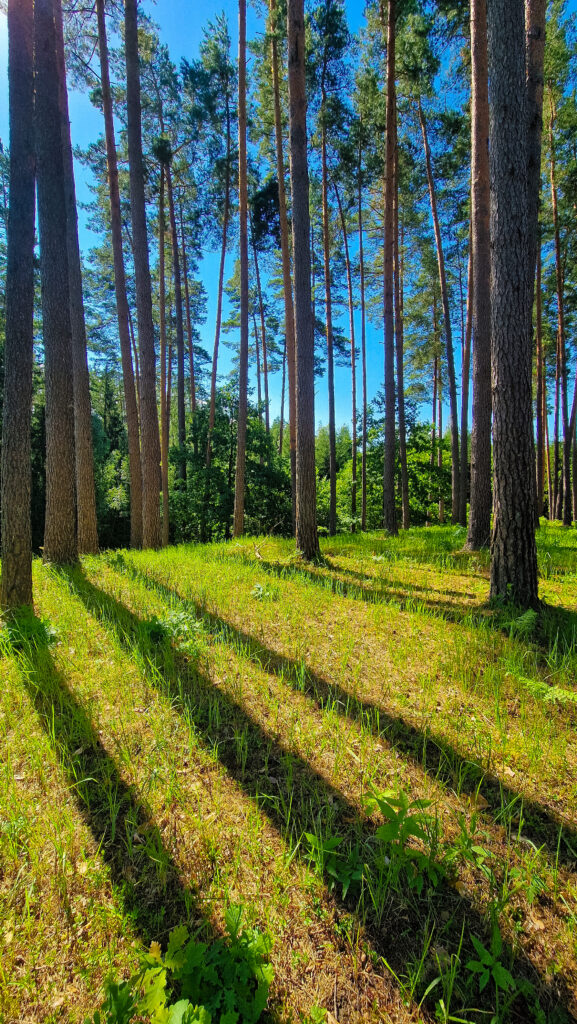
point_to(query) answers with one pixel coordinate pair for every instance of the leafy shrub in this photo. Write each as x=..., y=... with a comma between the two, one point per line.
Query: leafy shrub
x=224, y=982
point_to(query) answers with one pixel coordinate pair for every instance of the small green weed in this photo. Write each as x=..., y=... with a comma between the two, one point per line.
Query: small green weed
x=346, y=870
x=261, y=593
x=406, y=819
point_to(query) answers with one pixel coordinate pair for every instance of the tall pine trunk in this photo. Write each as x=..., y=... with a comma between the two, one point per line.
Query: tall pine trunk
x=285, y=254
x=214, y=369
x=363, y=344
x=83, y=449
x=329, y=327
x=16, y=580
x=239, y=483
x=60, y=539
x=513, y=548
x=353, y=363
x=465, y=377
x=188, y=316
x=389, y=509
x=540, y=389
x=164, y=442
x=400, y=357
x=306, y=516
x=150, y=438
x=180, y=407
x=263, y=338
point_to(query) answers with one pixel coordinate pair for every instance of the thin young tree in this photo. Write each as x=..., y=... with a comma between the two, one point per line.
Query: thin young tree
x=455, y=463
x=16, y=580
x=513, y=548
x=60, y=538
x=150, y=438
x=306, y=515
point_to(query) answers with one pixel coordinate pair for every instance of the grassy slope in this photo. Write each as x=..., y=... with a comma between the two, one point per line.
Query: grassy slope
x=204, y=708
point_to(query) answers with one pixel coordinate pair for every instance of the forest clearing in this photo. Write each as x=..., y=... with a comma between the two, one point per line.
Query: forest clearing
x=206, y=727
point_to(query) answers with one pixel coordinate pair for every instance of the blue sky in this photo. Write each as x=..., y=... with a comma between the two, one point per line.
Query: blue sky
x=182, y=32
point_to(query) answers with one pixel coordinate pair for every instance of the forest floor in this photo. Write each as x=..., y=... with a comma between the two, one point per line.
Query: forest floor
x=379, y=766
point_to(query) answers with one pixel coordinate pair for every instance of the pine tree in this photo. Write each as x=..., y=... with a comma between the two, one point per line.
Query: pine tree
x=16, y=580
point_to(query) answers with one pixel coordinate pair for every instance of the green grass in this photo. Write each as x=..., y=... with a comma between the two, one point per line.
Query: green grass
x=204, y=726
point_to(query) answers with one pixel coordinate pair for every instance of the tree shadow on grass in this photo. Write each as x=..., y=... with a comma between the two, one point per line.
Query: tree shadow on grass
x=144, y=876
x=430, y=751
x=412, y=597
x=553, y=627
x=297, y=799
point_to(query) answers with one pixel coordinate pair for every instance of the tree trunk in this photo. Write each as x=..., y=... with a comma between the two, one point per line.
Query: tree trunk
x=540, y=445
x=353, y=364
x=180, y=409
x=513, y=548
x=433, y=439
x=363, y=347
x=281, y=424
x=83, y=450
x=329, y=330
x=481, y=500
x=122, y=310
x=440, y=448
x=16, y=580
x=188, y=316
x=60, y=543
x=239, y=483
x=400, y=356
x=389, y=509
x=163, y=375
x=554, y=514
x=285, y=254
x=264, y=345
x=151, y=535
x=212, y=404
x=455, y=465
x=306, y=514
x=535, y=17
x=566, y=513
x=466, y=373
x=549, y=475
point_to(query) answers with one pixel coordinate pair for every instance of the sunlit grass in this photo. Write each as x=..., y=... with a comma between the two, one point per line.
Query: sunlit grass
x=186, y=718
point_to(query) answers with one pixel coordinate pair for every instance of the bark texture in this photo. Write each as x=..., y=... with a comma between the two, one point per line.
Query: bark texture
x=150, y=438
x=399, y=355
x=83, y=449
x=479, y=532
x=513, y=548
x=122, y=310
x=306, y=515
x=389, y=509
x=180, y=406
x=16, y=581
x=353, y=363
x=329, y=328
x=239, y=482
x=535, y=17
x=60, y=543
x=289, y=315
